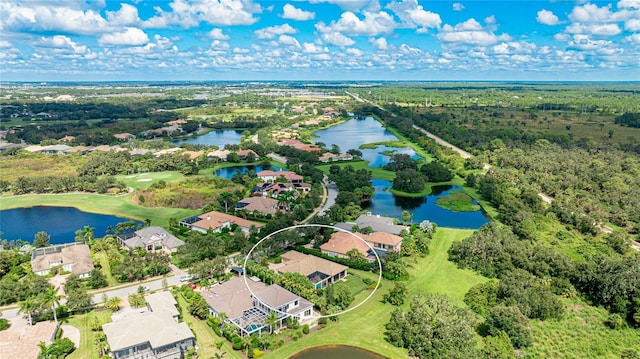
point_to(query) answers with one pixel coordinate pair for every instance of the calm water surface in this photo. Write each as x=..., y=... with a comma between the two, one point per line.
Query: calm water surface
x=336, y=352
x=228, y=172
x=356, y=132
x=60, y=223
x=214, y=138
x=386, y=204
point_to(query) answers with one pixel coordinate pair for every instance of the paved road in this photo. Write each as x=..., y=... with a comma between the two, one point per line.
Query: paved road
x=331, y=196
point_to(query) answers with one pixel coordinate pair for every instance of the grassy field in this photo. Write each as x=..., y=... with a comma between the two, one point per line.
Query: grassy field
x=457, y=201
x=95, y=203
x=374, y=145
x=103, y=258
x=580, y=334
x=38, y=165
x=364, y=327
x=144, y=180
x=205, y=337
x=87, y=349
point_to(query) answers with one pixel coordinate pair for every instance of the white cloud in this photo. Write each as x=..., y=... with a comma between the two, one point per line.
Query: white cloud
x=457, y=6
x=408, y=50
x=311, y=48
x=629, y=4
x=288, y=40
x=379, y=43
x=591, y=13
x=584, y=43
x=132, y=36
x=355, y=52
x=632, y=25
x=36, y=17
x=490, y=20
x=189, y=14
x=594, y=29
x=374, y=23
x=291, y=12
x=633, y=38
x=470, y=32
x=238, y=50
x=345, y=4
x=273, y=31
x=62, y=42
x=5, y=44
x=337, y=39
x=414, y=15
x=547, y=17
x=126, y=16
x=216, y=34
x=220, y=45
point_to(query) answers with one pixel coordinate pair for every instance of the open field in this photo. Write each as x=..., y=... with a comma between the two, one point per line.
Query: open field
x=364, y=327
x=38, y=165
x=95, y=203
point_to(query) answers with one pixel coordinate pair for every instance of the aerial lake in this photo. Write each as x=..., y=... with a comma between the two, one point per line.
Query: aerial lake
x=214, y=138
x=387, y=204
x=356, y=132
x=60, y=223
x=336, y=352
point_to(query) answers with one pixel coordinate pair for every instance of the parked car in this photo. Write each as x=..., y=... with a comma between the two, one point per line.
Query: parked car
x=186, y=277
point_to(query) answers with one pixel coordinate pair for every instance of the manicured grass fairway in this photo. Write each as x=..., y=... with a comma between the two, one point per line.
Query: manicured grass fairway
x=144, y=180
x=364, y=326
x=103, y=204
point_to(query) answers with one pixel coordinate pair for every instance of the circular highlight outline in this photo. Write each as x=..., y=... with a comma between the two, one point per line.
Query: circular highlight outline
x=246, y=259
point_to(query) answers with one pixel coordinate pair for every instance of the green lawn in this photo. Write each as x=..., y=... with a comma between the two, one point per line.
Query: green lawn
x=144, y=180
x=87, y=349
x=103, y=258
x=205, y=337
x=120, y=206
x=457, y=201
x=364, y=326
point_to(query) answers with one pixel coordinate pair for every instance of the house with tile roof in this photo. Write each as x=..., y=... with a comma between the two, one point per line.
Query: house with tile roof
x=71, y=257
x=150, y=238
x=153, y=332
x=261, y=205
x=321, y=272
x=341, y=243
x=217, y=221
x=247, y=305
x=272, y=176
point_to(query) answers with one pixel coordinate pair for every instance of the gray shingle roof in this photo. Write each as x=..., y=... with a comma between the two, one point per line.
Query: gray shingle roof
x=152, y=234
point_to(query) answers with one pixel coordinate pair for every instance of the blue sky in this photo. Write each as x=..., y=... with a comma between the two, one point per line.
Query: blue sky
x=93, y=40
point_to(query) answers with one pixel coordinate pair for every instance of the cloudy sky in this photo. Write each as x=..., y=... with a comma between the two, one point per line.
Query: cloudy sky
x=89, y=40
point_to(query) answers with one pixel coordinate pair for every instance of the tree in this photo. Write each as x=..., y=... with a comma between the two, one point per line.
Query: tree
x=498, y=347
x=136, y=299
x=396, y=295
x=433, y=327
x=41, y=239
x=271, y=321
x=28, y=307
x=113, y=304
x=50, y=298
x=511, y=321
x=226, y=198
x=400, y=162
x=147, y=222
x=436, y=172
x=408, y=180
x=406, y=216
x=97, y=279
x=354, y=152
x=198, y=306
x=78, y=299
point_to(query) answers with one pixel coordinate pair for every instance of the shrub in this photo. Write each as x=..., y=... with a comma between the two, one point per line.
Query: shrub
x=615, y=321
x=257, y=353
x=305, y=329
x=4, y=324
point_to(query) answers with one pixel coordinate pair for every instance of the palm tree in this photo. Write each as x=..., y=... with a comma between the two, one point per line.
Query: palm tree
x=219, y=355
x=406, y=216
x=50, y=298
x=113, y=303
x=43, y=350
x=28, y=306
x=137, y=299
x=246, y=343
x=271, y=320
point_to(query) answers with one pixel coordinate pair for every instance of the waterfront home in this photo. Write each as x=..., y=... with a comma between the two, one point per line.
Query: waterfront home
x=220, y=155
x=341, y=243
x=70, y=257
x=124, y=136
x=217, y=221
x=261, y=205
x=151, y=239
x=321, y=272
x=152, y=332
x=273, y=176
x=330, y=157
x=376, y=222
x=249, y=309
x=297, y=144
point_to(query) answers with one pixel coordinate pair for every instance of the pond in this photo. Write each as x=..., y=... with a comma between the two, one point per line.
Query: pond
x=214, y=138
x=60, y=223
x=336, y=352
x=387, y=204
x=356, y=132
x=228, y=172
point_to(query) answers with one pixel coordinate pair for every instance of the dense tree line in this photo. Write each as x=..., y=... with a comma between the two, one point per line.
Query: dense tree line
x=112, y=163
x=139, y=264
x=50, y=184
x=354, y=186
x=629, y=119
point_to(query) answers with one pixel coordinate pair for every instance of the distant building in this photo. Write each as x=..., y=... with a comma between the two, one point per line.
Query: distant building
x=193, y=155
x=273, y=176
x=124, y=136
x=258, y=204
x=153, y=332
x=321, y=272
x=152, y=239
x=71, y=257
x=217, y=221
x=330, y=157
x=67, y=138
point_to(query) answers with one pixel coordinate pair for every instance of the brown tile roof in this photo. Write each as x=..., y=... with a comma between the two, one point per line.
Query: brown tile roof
x=232, y=297
x=216, y=219
x=260, y=204
x=193, y=154
x=342, y=242
x=245, y=153
x=288, y=175
x=384, y=238
x=310, y=264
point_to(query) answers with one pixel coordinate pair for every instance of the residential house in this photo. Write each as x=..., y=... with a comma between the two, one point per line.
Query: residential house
x=217, y=221
x=67, y=138
x=273, y=176
x=297, y=144
x=248, y=305
x=193, y=155
x=150, y=238
x=153, y=332
x=376, y=222
x=220, y=155
x=124, y=136
x=244, y=154
x=55, y=149
x=321, y=272
x=330, y=157
x=341, y=243
x=258, y=204
x=168, y=151
x=71, y=257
